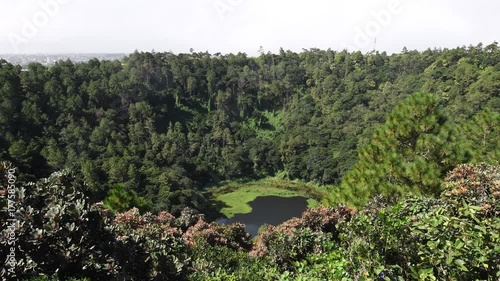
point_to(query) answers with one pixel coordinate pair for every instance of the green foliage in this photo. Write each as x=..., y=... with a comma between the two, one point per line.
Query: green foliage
x=120, y=200
x=480, y=137
x=453, y=238
x=409, y=154
x=330, y=264
x=294, y=239
x=149, y=247
x=463, y=246
x=54, y=219
x=165, y=124
x=58, y=233
x=477, y=185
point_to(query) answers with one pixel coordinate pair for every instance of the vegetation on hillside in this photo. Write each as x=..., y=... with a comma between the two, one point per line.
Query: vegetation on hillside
x=111, y=165
x=165, y=126
x=452, y=237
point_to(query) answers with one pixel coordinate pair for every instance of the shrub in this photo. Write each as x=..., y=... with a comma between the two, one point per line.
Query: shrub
x=232, y=236
x=294, y=239
x=56, y=231
x=452, y=238
x=149, y=247
x=478, y=185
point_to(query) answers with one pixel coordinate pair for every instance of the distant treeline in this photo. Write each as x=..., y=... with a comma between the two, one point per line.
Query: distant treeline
x=163, y=126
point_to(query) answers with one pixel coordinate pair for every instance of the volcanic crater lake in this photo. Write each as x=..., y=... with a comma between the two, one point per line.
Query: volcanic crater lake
x=269, y=210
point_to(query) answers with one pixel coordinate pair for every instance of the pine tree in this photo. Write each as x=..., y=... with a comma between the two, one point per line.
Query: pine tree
x=480, y=137
x=409, y=154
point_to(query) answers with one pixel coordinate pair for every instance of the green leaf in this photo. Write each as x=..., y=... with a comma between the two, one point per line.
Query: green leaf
x=459, y=244
x=460, y=264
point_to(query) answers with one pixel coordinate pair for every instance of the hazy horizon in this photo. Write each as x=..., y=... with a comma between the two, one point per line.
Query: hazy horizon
x=232, y=26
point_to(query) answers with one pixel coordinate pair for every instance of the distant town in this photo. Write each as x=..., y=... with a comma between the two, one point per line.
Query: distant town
x=50, y=59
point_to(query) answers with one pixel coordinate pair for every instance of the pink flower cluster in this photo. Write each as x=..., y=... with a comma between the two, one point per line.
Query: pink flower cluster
x=320, y=220
x=477, y=184
x=160, y=226
x=165, y=225
x=232, y=236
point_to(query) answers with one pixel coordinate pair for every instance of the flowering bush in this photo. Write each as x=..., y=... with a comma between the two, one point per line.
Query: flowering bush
x=452, y=238
x=58, y=233
x=296, y=238
x=232, y=236
x=478, y=185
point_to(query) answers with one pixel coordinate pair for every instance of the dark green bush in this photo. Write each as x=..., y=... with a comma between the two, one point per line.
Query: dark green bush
x=453, y=238
x=57, y=232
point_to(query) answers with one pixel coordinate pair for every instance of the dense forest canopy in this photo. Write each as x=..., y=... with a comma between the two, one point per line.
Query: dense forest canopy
x=163, y=126
x=386, y=136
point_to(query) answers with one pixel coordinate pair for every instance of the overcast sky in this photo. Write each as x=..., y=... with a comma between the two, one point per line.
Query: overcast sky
x=122, y=26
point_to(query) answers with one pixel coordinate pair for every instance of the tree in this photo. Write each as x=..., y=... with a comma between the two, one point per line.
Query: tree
x=120, y=199
x=410, y=153
x=480, y=137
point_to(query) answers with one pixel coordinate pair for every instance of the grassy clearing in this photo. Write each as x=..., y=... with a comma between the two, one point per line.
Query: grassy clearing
x=235, y=196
